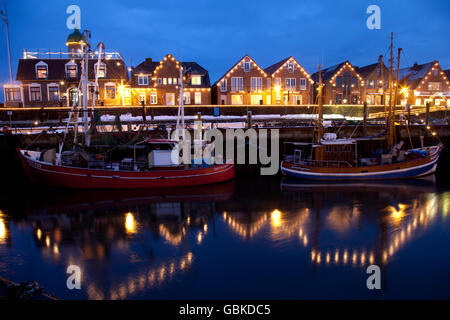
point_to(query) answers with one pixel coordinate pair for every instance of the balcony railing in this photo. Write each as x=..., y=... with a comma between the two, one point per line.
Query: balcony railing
x=49, y=54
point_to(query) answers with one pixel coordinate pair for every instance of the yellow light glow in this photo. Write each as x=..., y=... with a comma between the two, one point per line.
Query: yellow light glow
x=397, y=214
x=276, y=218
x=39, y=234
x=130, y=223
x=2, y=229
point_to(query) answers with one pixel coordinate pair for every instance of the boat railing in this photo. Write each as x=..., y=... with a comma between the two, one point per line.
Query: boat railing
x=324, y=163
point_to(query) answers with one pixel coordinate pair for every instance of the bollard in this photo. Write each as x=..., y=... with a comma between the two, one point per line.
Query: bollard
x=199, y=116
x=249, y=119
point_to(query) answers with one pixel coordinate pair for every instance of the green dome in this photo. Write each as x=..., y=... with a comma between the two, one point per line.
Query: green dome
x=75, y=37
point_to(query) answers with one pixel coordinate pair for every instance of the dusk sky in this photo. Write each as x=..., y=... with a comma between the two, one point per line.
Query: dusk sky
x=218, y=33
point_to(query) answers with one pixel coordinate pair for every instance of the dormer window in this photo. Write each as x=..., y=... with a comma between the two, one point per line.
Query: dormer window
x=291, y=67
x=196, y=80
x=101, y=70
x=41, y=70
x=71, y=70
x=246, y=65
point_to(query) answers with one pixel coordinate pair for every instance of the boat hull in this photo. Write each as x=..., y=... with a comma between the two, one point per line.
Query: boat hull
x=81, y=178
x=402, y=170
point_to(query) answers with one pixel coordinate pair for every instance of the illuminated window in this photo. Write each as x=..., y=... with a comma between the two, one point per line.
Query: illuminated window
x=164, y=80
x=153, y=98
x=13, y=94
x=237, y=99
x=256, y=99
x=101, y=70
x=246, y=65
x=71, y=70
x=296, y=99
x=237, y=84
x=223, y=85
x=110, y=92
x=435, y=86
x=302, y=84
x=35, y=93
x=291, y=67
x=41, y=70
x=159, y=81
x=196, y=80
x=256, y=83
x=198, y=98
x=142, y=80
x=53, y=93
x=278, y=82
x=174, y=80
x=187, y=97
x=291, y=84
x=141, y=98
x=169, y=81
x=269, y=99
x=268, y=83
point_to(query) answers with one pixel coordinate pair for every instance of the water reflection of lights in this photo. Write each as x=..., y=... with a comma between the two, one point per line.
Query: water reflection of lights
x=169, y=237
x=130, y=223
x=275, y=218
x=242, y=229
x=406, y=221
x=143, y=281
x=2, y=228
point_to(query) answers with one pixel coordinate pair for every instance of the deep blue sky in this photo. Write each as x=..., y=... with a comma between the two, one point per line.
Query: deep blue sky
x=218, y=33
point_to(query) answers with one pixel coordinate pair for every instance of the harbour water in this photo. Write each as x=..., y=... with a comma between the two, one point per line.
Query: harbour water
x=258, y=238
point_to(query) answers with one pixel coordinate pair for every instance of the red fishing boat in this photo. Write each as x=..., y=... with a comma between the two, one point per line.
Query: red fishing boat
x=146, y=164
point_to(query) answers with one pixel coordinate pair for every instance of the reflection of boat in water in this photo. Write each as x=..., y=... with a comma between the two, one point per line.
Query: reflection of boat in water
x=75, y=200
x=426, y=184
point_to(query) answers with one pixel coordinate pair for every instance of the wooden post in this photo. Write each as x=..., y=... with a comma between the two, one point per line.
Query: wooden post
x=199, y=116
x=427, y=115
x=365, y=109
x=249, y=119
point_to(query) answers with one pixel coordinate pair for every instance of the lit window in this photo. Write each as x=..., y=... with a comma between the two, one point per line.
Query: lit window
x=164, y=80
x=302, y=84
x=159, y=81
x=142, y=80
x=169, y=81
x=35, y=93
x=223, y=85
x=278, y=82
x=256, y=99
x=268, y=84
x=101, y=70
x=13, y=94
x=237, y=84
x=153, y=98
x=256, y=83
x=435, y=86
x=291, y=67
x=237, y=99
x=53, y=93
x=42, y=71
x=71, y=70
x=246, y=65
x=110, y=92
x=174, y=80
x=198, y=98
x=291, y=84
x=187, y=97
x=196, y=80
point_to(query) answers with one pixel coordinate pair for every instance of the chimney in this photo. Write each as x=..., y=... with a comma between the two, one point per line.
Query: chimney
x=148, y=60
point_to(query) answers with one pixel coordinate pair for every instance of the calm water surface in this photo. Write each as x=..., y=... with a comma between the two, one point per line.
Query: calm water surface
x=259, y=238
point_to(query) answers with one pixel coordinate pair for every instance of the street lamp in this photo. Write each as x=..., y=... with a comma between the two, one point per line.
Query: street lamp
x=4, y=17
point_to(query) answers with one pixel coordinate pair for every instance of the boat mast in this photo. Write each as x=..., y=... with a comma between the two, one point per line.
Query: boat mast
x=84, y=86
x=181, y=103
x=396, y=92
x=320, y=109
x=390, y=140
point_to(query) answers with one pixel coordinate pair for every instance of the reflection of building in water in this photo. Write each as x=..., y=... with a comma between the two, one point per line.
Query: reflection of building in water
x=322, y=227
x=4, y=229
x=92, y=238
